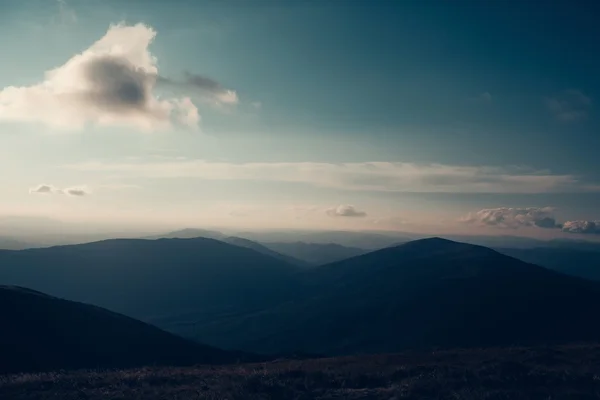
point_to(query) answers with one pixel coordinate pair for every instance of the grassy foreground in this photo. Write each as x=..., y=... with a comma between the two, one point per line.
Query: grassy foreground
x=571, y=372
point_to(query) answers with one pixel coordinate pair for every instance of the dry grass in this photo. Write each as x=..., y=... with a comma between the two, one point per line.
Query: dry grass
x=571, y=372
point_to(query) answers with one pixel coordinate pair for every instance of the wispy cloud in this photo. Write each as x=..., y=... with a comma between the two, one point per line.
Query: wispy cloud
x=367, y=176
x=44, y=189
x=79, y=192
x=207, y=88
x=345, y=210
x=515, y=218
x=50, y=189
x=110, y=83
x=66, y=15
x=484, y=97
x=569, y=106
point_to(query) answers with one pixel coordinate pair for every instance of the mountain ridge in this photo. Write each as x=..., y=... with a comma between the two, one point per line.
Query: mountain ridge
x=149, y=278
x=42, y=333
x=426, y=293
x=316, y=254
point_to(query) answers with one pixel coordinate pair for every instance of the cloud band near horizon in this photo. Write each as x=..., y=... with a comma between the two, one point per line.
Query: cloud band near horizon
x=539, y=217
x=79, y=191
x=364, y=176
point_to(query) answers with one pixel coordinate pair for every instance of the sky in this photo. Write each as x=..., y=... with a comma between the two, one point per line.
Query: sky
x=424, y=116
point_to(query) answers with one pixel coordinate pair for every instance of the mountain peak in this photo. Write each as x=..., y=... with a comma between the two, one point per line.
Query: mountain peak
x=434, y=240
x=189, y=233
x=440, y=245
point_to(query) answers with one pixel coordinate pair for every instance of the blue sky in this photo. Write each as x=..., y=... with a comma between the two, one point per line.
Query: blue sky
x=413, y=115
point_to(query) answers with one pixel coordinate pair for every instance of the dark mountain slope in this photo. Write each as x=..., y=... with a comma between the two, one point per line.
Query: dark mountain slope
x=146, y=278
x=40, y=333
x=237, y=241
x=316, y=253
x=430, y=292
x=249, y=244
x=582, y=263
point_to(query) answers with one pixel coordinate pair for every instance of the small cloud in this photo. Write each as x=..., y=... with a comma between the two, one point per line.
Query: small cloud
x=345, y=211
x=66, y=14
x=256, y=104
x=482, y=98
x=78, y=192
x=583, y=227
x=569, y=106
x=43, y=189
x=513, y=218
x=485, y=97
x=49, y=189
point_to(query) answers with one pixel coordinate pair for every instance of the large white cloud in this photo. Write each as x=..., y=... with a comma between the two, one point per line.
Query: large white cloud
x=368, y=176
x=509, y=217
x=111, y=83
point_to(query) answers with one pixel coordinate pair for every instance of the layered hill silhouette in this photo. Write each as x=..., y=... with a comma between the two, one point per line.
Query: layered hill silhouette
x=576, y=262
x=260, y=248
x=7, y=243
x=191, y=233
x=149, y=279
x=368, y=240
x=44, y=333
x=426, y=293
x=316, y=253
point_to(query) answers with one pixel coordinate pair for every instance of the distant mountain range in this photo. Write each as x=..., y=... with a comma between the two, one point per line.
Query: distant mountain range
x=295, y=253
x=316, y=253
x=287, y=257
x=425, y=293
x=44, y=333
x=581, y=263
x=189, y=233
x=149, y=279
x=244, y=295
x=522, y=242
x=7, y=243
x=360, y=239
x=234, y=240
